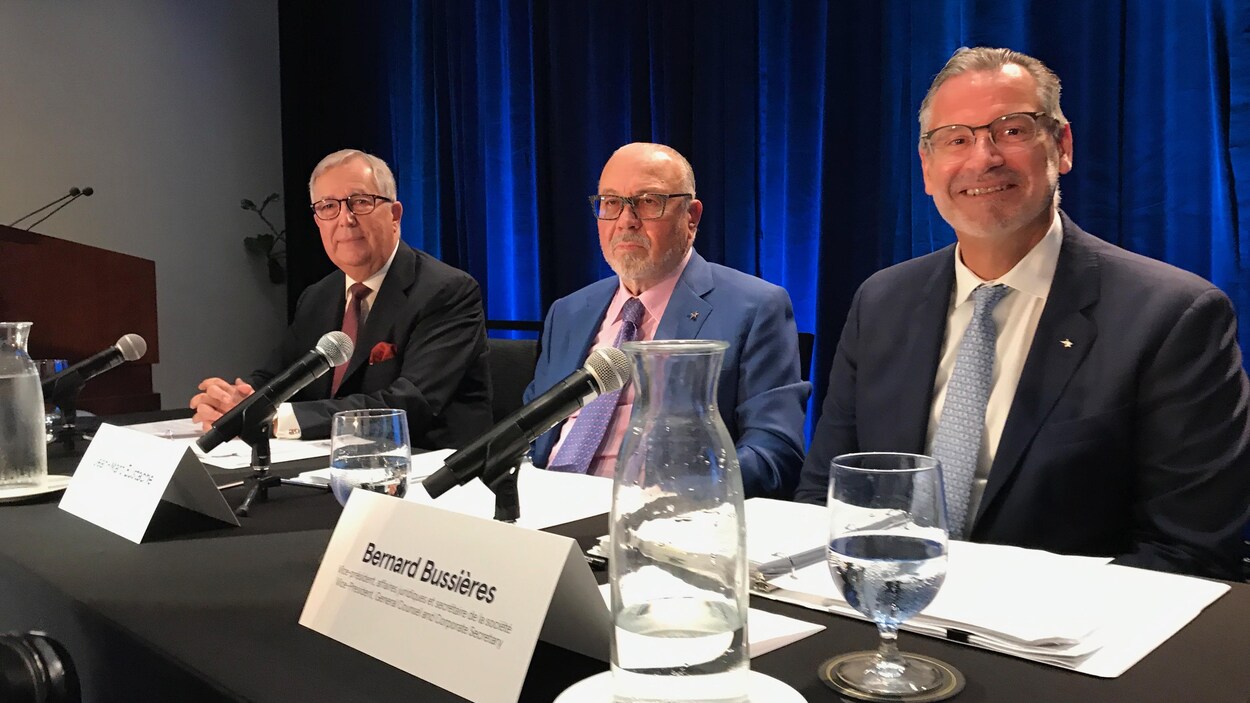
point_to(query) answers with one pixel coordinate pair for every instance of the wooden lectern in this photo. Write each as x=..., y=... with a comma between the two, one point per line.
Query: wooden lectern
x=82, y=299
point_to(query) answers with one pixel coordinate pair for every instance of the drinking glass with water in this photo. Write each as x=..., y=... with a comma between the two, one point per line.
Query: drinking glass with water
x=369, y=449
x=53, y=418
x=887, y=555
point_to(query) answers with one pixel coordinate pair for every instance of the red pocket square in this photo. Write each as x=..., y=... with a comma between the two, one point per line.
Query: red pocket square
x=381, y=352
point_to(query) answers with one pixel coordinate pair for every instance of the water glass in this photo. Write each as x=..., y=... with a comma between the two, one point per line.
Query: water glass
x=887, y=555
x=369, y=449
x=53, y=419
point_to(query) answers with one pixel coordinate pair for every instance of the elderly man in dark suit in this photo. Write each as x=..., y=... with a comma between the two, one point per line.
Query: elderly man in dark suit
x=417, y=323
x=1081, y=398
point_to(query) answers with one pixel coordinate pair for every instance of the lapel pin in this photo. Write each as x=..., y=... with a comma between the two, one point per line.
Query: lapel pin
x=1067, y=343
x=694, y=315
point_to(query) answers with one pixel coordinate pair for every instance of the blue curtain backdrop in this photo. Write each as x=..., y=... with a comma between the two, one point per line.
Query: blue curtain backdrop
x=798, y=116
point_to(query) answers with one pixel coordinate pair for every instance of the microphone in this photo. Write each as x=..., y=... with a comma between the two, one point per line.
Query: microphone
x=72, y=193
x=333, y=349
x=65, y=384
x=606, y=370
x=76, y=195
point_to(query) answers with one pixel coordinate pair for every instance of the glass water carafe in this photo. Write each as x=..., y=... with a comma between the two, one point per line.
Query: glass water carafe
x=678, y=565
x=23, y=440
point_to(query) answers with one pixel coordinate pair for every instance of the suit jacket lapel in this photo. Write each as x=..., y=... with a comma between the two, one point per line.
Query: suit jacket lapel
x=921, y=346
x=386, y=307
x=328, y=307
x=687, y=310
x=584, y=324
x=1051, y=361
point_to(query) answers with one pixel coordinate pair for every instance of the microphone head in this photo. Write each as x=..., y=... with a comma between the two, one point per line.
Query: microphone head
x=74, y=191
x=335, y=347
x=88, y=191
x=132, y=347
x=610, y=367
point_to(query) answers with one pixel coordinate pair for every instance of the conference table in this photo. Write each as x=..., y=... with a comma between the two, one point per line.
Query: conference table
x=202, y=611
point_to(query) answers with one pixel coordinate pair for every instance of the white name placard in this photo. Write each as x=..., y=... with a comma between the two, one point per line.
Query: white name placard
x=445, y=596
x=125, y=474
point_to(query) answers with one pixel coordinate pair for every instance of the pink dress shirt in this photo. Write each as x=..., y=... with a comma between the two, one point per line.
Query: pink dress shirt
x=654, y=300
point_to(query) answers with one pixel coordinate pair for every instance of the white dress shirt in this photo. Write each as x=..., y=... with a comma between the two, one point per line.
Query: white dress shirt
x=1016, y=318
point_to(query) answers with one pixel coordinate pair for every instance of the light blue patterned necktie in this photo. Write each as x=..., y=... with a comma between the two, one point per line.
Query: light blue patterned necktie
x=957, y=442
x=588, y=431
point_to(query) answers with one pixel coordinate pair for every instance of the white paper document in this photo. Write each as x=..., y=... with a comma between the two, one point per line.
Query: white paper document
x=184, y=428
x=547, y=497
x=235, y=454
x=423, y=464
x=781, y=537
x=1078, y=613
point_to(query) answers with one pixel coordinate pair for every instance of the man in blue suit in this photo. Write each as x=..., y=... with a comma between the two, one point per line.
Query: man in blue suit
x=1114, y=418
x=647, y=216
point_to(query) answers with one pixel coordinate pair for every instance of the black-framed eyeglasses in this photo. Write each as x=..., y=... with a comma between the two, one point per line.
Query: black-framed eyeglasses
x=1011, y=131
x=647, y=206
x=359, y=204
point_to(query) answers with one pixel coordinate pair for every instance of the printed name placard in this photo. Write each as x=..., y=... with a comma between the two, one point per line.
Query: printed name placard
x=445, y=596
x=124, y=474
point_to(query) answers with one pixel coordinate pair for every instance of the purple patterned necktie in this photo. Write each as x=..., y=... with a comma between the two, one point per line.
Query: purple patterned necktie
x=351, y=328
x=583, y=440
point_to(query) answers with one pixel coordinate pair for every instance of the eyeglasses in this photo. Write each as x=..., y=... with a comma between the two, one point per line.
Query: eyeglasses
x=648, y=206
x=1012, y=131
x=360, y=204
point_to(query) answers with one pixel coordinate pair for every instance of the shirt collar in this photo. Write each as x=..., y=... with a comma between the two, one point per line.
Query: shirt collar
x=375, y=281
x=1032, y=275
x=653, y=299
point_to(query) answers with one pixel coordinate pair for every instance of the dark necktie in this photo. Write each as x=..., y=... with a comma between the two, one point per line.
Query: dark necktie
x=957, y=441
x=351, y=327
x=588, y=431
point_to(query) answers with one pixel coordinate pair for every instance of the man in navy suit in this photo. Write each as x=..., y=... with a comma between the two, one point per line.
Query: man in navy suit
x=1116, y=422
x=648, y=215
x=417, y=323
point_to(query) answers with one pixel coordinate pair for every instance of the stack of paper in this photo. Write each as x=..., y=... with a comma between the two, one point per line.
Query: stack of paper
x=781, y=537
x=1078, y=613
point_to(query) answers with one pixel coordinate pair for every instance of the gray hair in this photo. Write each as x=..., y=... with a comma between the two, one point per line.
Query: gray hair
x=985, y=58
x=383, y=179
